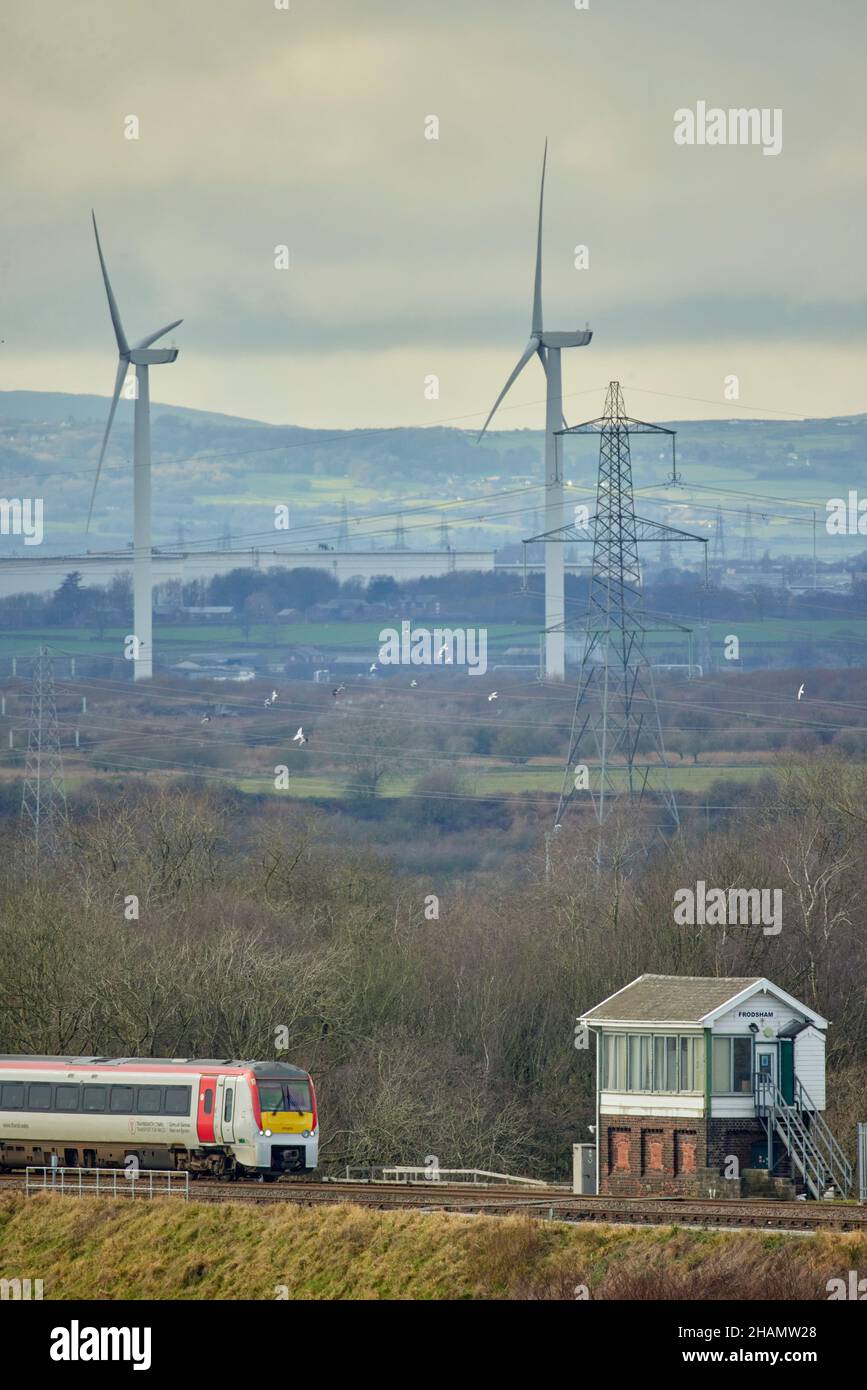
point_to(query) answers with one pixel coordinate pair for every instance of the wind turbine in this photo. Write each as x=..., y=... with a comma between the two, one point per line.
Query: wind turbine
x=142, y=356
x=548, y=346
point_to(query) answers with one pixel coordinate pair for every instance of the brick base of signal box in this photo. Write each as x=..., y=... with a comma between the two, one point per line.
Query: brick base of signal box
x=649, y=1155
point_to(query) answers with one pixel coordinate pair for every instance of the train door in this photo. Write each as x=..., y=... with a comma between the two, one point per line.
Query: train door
x=224, y=1110
x=205, y=1117
x=218, y=1108
x=227, y=1112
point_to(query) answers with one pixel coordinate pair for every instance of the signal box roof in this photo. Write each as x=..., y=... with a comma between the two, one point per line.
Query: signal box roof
x=693, y=1000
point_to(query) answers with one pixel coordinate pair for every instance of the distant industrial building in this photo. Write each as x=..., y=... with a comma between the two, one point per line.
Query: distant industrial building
x=26, y=574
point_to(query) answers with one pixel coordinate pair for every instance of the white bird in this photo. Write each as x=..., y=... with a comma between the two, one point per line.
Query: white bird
x=338, y=689
x=412, y=683
x=300, y=737
x=373, y=667
x=492, y=696
x=206, y=719
x=800, y=692
x=268, y=704
x=273, y=697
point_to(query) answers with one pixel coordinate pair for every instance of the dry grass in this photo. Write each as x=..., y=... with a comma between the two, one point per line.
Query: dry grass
x=165, y=1250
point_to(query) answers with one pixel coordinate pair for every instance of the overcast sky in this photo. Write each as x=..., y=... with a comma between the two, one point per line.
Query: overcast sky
x=409, y=257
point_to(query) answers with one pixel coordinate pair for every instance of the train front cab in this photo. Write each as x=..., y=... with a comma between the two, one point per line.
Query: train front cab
x=288, y=1138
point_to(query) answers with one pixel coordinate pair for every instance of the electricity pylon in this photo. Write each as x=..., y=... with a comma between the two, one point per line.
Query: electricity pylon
x=43, y=801
x=748, y=549
x=615, y=744
x=718, y=546
x=343, y=528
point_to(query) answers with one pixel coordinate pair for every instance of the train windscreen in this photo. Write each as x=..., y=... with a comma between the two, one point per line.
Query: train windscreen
x=275, y=1096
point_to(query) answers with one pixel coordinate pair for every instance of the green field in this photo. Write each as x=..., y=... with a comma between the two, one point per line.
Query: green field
x=497, y=781
x=171, y=641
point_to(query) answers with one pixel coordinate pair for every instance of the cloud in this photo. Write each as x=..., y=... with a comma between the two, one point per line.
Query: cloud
x=306, y=128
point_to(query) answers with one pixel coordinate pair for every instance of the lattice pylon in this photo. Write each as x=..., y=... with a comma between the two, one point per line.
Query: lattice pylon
x=718, y=544
x=43, y=801
x=616, y=714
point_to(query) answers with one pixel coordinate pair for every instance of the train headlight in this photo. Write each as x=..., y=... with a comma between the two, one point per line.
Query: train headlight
x=267, y=1134
x=264, y=1133
x=306, y=1134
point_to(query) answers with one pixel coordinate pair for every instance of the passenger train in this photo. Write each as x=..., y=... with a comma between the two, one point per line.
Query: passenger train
x=228, y=1118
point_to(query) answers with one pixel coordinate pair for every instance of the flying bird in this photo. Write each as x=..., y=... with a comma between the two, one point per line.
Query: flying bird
x=800, y=692
x=493, y=695
x=300, y=737
x=373, y=667
x=338, y=689
x=412, y=683
x=206, y=719
x=273, y=697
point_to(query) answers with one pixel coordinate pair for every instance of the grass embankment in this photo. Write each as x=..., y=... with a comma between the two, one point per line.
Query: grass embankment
x=89, y=1249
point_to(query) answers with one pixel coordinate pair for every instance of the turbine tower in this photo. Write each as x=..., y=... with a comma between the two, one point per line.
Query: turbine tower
x=142, y=356
x=548, y=346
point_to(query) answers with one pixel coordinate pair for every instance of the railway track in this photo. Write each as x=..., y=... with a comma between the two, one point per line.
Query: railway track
x=556, y=1204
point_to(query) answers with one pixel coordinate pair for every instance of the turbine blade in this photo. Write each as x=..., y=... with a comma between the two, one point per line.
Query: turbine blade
x=122, y=368
x=160, y=333
x=529, y=350
x=122, y=345
x=537, y=289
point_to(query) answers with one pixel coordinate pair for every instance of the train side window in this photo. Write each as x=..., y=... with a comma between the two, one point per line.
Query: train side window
x=209, y=1102
x=67, y=1098
x=12, y=1096
x=39, y=1096
x=149, y=1100
x=120, y=1102
x=177, y=1100
x=93, y=1098
x=227, y=1108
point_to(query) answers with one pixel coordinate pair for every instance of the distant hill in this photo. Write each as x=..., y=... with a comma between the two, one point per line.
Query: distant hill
x=218, y=475
x=53, y=407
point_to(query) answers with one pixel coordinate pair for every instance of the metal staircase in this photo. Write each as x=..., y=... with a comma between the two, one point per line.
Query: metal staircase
x=806, y=1137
